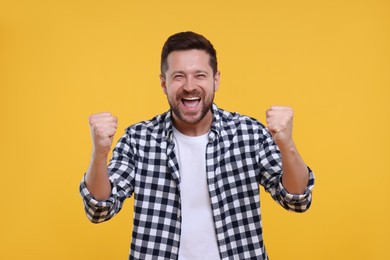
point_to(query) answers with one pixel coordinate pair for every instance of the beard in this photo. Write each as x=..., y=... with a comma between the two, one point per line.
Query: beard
x=195, y=116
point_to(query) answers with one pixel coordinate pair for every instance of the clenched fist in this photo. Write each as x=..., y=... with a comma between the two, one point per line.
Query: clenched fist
x=103, y=127
x=280, y=124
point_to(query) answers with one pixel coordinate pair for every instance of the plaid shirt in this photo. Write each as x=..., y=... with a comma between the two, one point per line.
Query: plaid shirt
x=240, y=155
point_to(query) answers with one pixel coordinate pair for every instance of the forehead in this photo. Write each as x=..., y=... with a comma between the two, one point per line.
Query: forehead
x=189, y=59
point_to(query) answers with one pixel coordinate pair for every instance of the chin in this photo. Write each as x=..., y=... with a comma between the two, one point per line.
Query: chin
x=191, y=119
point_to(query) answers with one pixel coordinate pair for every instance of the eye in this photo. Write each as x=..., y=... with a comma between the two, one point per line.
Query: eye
x=178, y=76
x=201, y=76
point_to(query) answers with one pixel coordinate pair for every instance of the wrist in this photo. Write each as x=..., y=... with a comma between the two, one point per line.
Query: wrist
x=287, y=147
x=99, y=155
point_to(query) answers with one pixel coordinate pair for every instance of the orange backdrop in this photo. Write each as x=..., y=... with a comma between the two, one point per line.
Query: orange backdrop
x=63, y=60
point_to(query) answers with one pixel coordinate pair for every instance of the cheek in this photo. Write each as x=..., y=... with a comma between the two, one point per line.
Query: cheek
x=174, y=87
x=211, y=87
x=171, y=93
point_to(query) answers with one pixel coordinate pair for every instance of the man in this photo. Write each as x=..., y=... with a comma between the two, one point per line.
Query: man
x=195, y=170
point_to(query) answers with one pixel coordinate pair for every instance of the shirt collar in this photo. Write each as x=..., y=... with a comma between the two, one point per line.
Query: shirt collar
x=215, y=128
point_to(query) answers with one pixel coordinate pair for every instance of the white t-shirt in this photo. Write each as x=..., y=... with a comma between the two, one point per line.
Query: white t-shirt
x=198, y=239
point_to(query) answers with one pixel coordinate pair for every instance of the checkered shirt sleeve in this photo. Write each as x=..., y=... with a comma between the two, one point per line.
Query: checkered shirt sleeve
x=271, y=177
x=121, y=176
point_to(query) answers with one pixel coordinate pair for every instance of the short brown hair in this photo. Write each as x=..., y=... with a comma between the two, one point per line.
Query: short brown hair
x=187, y=41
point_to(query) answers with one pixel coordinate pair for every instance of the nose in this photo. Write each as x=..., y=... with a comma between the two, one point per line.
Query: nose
x=189, y=84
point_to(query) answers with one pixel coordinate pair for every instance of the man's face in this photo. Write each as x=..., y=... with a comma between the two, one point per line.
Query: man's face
x=189, y=84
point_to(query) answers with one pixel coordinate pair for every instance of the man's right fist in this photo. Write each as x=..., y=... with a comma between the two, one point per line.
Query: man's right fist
x=103, y=127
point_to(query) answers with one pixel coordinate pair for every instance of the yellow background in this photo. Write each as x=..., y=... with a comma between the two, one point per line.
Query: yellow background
x=63, y=60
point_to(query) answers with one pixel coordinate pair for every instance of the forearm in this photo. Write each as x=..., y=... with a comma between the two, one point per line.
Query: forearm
x=97, y=178
x=295, y=172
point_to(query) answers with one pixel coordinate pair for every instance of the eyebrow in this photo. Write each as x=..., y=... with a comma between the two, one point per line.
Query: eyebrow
x=182, y=72
x=177, y=72
x=201, y=71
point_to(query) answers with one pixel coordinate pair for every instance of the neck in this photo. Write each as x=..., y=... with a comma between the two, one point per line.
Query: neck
x=200, y=128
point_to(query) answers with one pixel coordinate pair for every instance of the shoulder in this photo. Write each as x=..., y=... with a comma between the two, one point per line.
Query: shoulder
x=242, y=128
x=152, y=128
x=237, y=120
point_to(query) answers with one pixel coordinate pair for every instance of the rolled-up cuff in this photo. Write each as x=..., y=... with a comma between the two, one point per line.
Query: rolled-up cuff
x=298, y=202
x=97, y=211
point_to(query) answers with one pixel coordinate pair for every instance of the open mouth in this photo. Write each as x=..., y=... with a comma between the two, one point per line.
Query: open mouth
x=190, y=102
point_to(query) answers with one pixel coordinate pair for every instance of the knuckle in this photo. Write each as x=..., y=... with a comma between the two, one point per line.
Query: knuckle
x=97, y=125
x=91, y=120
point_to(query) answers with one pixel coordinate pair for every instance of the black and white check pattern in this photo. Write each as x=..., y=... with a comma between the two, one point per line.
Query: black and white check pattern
x=240, y=155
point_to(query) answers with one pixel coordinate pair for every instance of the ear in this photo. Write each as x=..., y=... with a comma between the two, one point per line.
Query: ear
x=217, y=77
x=163, y=84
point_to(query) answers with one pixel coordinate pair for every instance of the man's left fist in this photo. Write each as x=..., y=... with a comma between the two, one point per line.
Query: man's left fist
x=280, y=124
